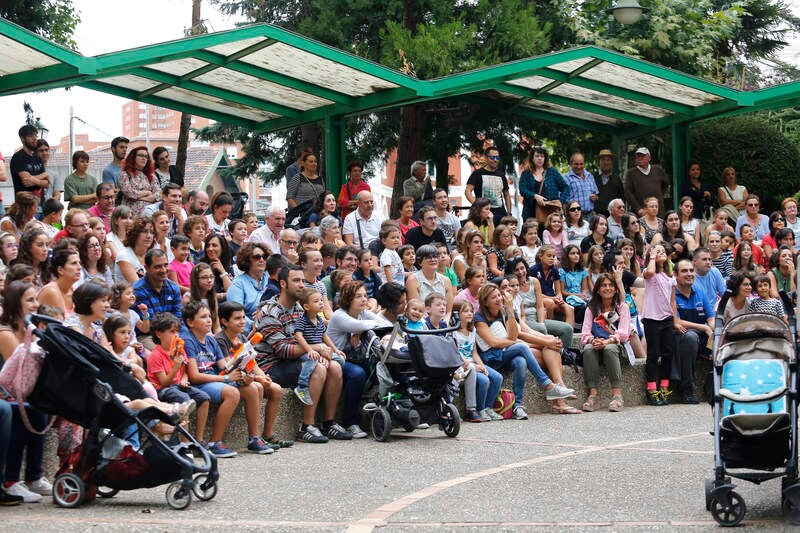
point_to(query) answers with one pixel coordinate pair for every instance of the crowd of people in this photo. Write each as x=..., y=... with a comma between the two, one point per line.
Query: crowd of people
x=137, y=262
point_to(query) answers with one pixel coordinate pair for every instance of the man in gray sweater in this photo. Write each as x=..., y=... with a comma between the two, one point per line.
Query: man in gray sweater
x=645, y=180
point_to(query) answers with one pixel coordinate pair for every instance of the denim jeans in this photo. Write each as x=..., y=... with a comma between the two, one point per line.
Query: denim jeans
x=354, y=376
x=5, y=436
x=518, y=357
x=308, y=368
x=23, y=440
x=487, y=387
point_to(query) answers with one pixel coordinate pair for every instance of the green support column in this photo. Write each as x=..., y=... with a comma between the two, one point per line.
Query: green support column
x=335, y=153
x=680, y=159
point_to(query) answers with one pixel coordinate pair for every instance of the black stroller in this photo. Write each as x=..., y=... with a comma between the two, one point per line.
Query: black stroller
x=755, y=410
x=79, y=382
x=413, y=384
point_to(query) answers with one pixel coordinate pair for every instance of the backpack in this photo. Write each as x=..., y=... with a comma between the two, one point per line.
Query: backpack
x=504, y=404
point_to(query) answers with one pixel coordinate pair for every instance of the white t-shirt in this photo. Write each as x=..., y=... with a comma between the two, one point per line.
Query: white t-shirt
x=370, y=228
x=221, y=229
x=466, y=343
x=391, y=258
x=127, y=255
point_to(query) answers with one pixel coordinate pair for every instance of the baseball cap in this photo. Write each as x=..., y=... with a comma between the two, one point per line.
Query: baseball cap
x=643, y=150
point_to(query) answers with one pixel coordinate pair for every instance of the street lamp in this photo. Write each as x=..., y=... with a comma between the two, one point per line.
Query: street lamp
x=627, y=11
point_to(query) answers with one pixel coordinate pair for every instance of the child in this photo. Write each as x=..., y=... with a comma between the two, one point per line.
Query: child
x=365, y=273
x=554, y=233
x=659, y=315
x=328, y=251
x=275, y=264
x=310, y=241
x=546, y=272
x=764, y=303
x=436, y=307
x=311, y=330
x=233, y=321
x=728, y=240
x=205, y=362
x=409, y=257
x=594, y=264
x=166, y=370
x=415, y=312
x=530, y=238
x=748, y=236
x=118, y=332
x=576, y=279
x=180, y=269
x=392, y=267
x=195, y=229
x=482, y=383
x=744, y=260
x=510, y=222
x=121, y=299
x=445, y=262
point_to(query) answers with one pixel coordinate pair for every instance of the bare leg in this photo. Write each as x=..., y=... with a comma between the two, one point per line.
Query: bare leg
x=201, y=419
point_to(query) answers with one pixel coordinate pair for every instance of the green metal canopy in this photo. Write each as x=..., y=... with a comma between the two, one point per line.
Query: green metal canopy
x=266, y=78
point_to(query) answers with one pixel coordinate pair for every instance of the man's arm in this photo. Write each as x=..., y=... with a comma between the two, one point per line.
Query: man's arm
x=279, y=344
x=39, y=180
x=469, y=193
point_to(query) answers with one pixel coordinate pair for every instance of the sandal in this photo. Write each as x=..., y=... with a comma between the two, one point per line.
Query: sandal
x=565, y=410
x=181, y=411
x=616, y=404
x=591, y=403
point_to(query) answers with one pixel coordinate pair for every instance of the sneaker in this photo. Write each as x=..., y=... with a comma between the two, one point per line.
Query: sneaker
x=690, y=398
x=664, y=392
x=257, y=445
x=424, y=425
x=558, y=392
x=304, y=395
x=7, y=500
x=311, y=434
x=356, y=431
x=494, y=415
x=653, y=397
x=337, y=432
x=221, y=451
x=277, y=443
x=473, y=416
x=41, y=486
x=485, y=417
x=519, y=413
x=19, y=489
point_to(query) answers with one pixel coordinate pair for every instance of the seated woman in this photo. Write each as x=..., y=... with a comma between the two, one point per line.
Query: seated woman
x=325, y=205
x=606, y=326
x=499, y=347
x=248, y=287
x=741, y=286
x=427, y=280
x=405, y=206
x=480, y=218
x=66, y=269
x=473, y=255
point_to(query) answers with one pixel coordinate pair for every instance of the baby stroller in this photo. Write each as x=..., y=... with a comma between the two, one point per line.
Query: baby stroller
x=755, y=411
x=79, y=381
x=413, y=383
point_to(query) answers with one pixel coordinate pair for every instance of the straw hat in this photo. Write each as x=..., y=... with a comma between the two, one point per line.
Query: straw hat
x=605, y=152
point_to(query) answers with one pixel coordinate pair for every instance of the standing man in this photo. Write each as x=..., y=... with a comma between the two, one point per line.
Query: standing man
x=645, y=180
x=156, y=291
x=362, y=226
x=694, y=327
x=270, y=232
x=445, y=220
x=119, y=149
x=165, y=173
x=106, y=201
x=418, y=186
x=27, y=169
x=582, y=187
x=616, y=208
x=79, y=187
x=490, y=182
x=56, y=186
x=609, y=186
x=426, y=232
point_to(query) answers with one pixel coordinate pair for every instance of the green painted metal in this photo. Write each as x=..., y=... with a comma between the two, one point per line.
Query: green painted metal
x=45, y=46
x=574, y=74
x=680, y=159
x=39, y=79
x=335, y=154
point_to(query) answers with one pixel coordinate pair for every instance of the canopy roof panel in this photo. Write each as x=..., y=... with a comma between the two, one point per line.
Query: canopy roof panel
x=266, y=78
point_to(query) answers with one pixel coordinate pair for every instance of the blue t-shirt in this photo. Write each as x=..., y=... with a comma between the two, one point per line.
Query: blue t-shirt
x=697, y=308
x=545, y=281
x=573, y=279
x=713, y=283
x=206, y=354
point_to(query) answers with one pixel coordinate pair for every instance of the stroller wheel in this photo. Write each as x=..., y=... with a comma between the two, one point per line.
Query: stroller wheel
x=729, y=514
x=106, y=492
x=177, y=497
x=451, y=421
x=69, y=490
x=203, y=489
x=709, y=487
x=381, y=424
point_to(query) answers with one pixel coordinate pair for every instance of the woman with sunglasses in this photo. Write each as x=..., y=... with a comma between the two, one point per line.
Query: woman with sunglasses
x=752, y=215
x=577, y=227
x=248, y=287
x=137, y=182
x=768, y=243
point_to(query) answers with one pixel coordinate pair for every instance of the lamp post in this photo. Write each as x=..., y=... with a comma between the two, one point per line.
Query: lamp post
x=625, y=12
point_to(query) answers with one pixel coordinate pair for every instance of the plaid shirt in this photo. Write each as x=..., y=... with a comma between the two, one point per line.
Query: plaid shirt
x=166, y=301
x=581, y=189
x=277, y=326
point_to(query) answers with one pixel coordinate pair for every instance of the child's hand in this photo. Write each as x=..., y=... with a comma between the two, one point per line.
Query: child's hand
x=184, y=383
x=235, y=376
x=138, y=347
x=341, y=353
x=142, y=308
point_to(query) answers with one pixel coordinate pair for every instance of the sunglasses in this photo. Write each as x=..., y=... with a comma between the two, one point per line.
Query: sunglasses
x=494, y=157
x=573, y=209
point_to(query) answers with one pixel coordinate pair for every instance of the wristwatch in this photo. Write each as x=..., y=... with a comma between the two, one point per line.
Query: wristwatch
x=227, y=378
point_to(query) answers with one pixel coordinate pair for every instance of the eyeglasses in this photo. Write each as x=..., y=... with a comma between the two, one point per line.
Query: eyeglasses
x=494, y=157
x=96, y=245
x=107, y=197
x=209, y=278
x=258, y=257
x=573, y=209
x=290, y=243
x=143, y=156
x=752, y=205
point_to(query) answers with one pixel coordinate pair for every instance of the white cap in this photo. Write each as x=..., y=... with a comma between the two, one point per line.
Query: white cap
x=643, y=150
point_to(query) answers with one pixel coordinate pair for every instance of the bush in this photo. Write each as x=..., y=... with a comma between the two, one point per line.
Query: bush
x=766, y=161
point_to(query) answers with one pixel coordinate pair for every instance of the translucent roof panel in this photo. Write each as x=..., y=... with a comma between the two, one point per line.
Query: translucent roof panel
x=608, y=100
x=216, y=104
x=531, y=82
x=569, y=66
x=228, y=49
x=534, y=104
x=262, y=89
x=179, y=67
x=16, y=57
x=134, y=83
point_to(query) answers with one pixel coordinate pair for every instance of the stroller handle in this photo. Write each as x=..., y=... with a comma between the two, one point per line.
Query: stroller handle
x=455, y=320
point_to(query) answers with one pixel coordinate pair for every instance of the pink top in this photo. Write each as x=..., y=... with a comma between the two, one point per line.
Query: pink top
x=623, y=327
x=658, y=297
x=558, y=241
x=466, y=296
x=183, y=272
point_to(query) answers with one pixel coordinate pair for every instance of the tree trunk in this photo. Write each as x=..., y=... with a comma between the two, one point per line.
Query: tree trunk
x=409, y=148
x=442, y=162
x=186, y=118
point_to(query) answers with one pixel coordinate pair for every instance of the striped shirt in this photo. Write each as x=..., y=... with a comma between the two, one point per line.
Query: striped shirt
x=277, y=327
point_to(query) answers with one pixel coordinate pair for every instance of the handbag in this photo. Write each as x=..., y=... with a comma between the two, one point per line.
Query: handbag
x=19, y=374
x=368, y=350
x=542, y=212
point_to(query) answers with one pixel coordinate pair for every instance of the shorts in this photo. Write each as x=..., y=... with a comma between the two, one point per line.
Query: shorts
x=176, y=394
x=214, y=389
x=285, y=372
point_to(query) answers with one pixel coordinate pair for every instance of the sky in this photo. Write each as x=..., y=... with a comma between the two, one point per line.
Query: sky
x=150, y=21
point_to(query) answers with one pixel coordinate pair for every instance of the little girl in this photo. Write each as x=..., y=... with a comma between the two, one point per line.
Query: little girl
x=121, y=299
x=392, y=267
x=118, y=332
x=594, y=264
x=575, y=278
x=530, y=238
x=365, y=273
x=743, y=260
x=659, y=316
x=764, y=303
x=549, y=278
x=554, y=233
x=409, y=257
x=482, y=383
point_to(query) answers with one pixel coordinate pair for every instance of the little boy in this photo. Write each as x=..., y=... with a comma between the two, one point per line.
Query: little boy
x=275, y=264
x=764, y=303
x=415, y=313
x=436, y=306
x=166, y=370
x=328, y=251
x=749, y=235
x=196, y=229
x=311, y=330
x=180, y=268
x=728, y=240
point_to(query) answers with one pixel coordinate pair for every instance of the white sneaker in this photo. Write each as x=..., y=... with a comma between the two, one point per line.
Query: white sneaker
x=19, y=489
x=41, y=486
x=492, y=414
x=357, y=432
x=519, y=413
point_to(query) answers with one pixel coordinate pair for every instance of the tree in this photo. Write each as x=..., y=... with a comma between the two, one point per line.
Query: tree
x=54, y=19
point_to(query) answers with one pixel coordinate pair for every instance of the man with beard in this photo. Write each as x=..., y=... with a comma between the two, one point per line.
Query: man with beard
x=27, y=169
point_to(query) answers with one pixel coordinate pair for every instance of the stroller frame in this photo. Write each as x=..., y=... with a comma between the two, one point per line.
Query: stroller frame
x=727, y=506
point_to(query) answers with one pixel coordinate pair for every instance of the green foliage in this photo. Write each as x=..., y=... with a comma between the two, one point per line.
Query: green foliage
x=53, y=19
x=766, y=162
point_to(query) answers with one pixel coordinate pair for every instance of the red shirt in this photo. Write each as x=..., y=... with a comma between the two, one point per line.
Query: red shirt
x=58, y=236
x=160, y=361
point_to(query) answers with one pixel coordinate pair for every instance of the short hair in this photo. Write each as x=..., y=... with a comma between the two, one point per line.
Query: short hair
x=761, y=278
x=52, y=311
x=170, y=187
x=164, y=322
x=700, y=250
x=191, y=308
x=783, y=233
x=424, y=210
x=427, y=250
x=389, y=294
x=403, y=200
x=27, y=130
x=72, y=213
x=491, y=148
x=344, y=250
x=736, y=280
x=437, y=190
x=103, y=186
x=227, y=308
x=50, y=206
x=403, y=249
x=283, y=275
x=353, y=164
x=417, y=164
x=247, y=249
x=177, y=240
x=432, y=297
x=727, y=233
x=348, y=293
x=151, y=254
x=307, y=293
x=87, y=294
x=276, y=262
x=328, y=250
x=116, y=140
x=576, y=153
x=327, y=222
x=77, y=156
x=509, y=219
x=192, y=222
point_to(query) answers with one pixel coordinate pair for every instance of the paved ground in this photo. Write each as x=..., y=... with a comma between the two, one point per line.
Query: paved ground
x=641, y=469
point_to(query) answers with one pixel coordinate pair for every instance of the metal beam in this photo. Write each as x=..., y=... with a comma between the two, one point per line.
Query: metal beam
x=574, y=74
x=39, y=79
x=45, y=46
